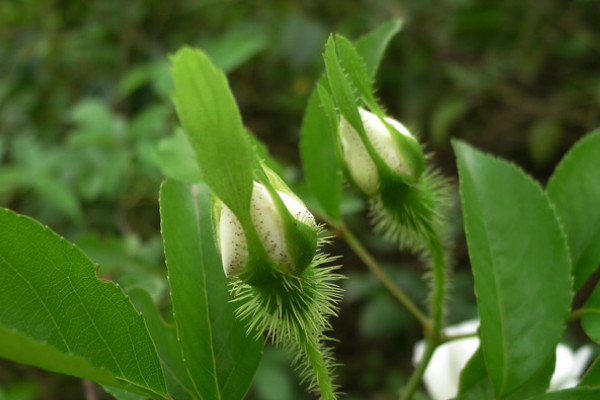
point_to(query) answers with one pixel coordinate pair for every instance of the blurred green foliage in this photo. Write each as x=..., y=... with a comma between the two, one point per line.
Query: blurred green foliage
x=85, y=120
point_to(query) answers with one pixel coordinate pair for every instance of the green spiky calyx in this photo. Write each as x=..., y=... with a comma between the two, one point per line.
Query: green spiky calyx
x=412, y=214
x=295, y=314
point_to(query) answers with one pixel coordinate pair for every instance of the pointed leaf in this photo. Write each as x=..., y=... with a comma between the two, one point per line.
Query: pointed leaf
x=219, y=358
x=341, y=89
x=212, y=121
x=357, y=72
x=56, y=314
x=520, y=263
x=574, y=188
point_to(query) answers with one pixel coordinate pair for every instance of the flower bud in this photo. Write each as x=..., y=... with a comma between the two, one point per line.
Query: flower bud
x=401, y=156
x=270, y=227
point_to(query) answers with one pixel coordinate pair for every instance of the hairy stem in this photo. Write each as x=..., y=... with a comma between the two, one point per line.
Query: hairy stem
x=314, y=354
x=434, y=334
x=345, y=233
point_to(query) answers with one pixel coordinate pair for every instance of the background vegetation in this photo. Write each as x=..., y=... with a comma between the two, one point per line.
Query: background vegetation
x=85, y=118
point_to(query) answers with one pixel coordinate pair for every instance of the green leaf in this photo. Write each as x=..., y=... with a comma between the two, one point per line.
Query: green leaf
x=319, y=159
x=175, y=157
x=520, y=263
x=590, y=320
x=210, y=117
x=219, y=358
x=592, y=377
x=473, y=378
x=179, y=384
x=372, y=46
x=571, y=394
x=56, y=314
x=574, y=188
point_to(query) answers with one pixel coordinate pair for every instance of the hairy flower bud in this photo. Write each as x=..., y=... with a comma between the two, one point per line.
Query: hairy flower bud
x=361, y=166
x=270, y=227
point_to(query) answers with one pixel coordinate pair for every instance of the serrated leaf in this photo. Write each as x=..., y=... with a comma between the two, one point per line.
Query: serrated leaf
x=219, y=358
x=341, y=89
x=372, y=46
x=574, y=189
x=164, y=336
x=56, y=314
x=520, y=263
x=357, y=72
x=210, y=116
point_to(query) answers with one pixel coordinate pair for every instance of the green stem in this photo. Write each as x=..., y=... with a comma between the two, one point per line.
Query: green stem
x=445, y=338
x=415, y=379
x=345, y=233
x=314, y=354
x=433, y=335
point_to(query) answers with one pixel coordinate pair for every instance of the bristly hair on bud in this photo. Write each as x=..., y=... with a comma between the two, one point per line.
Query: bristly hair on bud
x=413, y=214
x=295, y=315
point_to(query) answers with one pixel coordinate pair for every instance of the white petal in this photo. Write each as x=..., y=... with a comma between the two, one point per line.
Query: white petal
x=234, y=250
x=298, y=209
x=569, y=366
x=443, y=372
x=384, y=142
x=358, y=161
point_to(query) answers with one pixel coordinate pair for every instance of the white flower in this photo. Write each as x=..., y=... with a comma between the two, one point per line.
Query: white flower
x=443, y=372
x=269, y=227
x=360, y=164
x=569, y=366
